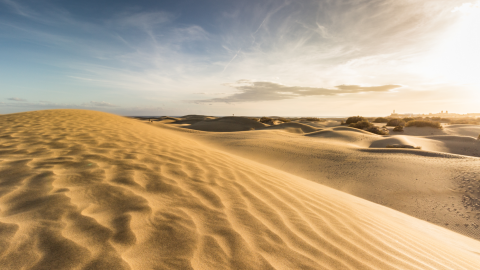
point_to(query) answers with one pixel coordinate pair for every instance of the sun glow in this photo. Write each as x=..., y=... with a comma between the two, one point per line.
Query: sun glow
x=457, y=58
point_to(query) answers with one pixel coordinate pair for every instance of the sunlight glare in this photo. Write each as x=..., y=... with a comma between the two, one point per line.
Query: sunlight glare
x=457, y=58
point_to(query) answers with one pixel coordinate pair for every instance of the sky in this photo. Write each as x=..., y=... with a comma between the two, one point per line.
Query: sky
x=223, y=57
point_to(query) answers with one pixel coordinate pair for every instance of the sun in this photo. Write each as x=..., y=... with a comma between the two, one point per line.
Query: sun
x=457, y=58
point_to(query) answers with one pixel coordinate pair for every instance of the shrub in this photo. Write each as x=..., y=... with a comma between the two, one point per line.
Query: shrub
x=470, y=121
x=395, y=122
x=361, y=125
x=342, y=123
x=265, y=119
x=283, y=119
x=379, y=131
x=407, y=119
x=478, y=137
x=403, y=146
x=312, y=119
x=381, y=120
x=355, y=119
x=398, y=128
x=424, y=123
x=253, y=118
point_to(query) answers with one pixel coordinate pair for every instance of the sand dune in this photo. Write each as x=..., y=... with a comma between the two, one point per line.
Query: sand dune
x=227, y=124
x=463, y=130
x=431, y=184
x=293, y=128
x=461, y=145
x=89, y=190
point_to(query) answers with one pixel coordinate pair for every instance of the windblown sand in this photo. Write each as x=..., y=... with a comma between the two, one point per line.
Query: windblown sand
x=90, y=190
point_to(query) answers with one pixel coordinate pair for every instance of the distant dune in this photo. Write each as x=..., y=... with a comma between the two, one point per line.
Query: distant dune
x=227, y=124
x=293, y=127
x=89, y=190
x=439, y=183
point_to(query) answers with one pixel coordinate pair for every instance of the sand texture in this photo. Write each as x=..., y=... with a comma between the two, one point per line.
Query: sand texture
x=439, y=183
x=90, y=190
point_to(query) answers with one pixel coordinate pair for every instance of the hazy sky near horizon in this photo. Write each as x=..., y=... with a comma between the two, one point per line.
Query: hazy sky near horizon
x=222, y=57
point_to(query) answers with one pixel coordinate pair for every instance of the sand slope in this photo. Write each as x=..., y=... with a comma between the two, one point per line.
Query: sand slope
x=227, y=124
x=89, y=190
x=430, y=184
x=293, y=128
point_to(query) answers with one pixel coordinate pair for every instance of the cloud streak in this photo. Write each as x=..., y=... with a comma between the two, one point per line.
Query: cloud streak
x=267, y=91
x=16, y=99
x=167, y=52
x=99, y=104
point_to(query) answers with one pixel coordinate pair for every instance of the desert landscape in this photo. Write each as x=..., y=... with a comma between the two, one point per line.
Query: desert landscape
x=91, y=190
x=239, y=135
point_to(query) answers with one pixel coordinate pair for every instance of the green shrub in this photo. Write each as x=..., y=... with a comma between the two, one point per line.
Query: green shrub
x=395, y=122
x=361, y=125
x=398, y=128
x=424, y=123
x=355, y=119
x=381, y=120
x=379, y=131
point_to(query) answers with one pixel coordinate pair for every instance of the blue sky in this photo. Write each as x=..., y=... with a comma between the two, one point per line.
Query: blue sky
x=215, y=57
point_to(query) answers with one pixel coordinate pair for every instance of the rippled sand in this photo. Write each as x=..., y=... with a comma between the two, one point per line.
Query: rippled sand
x=90, y=190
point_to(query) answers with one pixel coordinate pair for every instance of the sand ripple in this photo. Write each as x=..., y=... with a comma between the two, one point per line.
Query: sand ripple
x=89, y=190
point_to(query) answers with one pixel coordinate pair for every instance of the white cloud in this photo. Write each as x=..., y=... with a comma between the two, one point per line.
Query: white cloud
x=250, y=91
x=99, y=104
x=467, y=7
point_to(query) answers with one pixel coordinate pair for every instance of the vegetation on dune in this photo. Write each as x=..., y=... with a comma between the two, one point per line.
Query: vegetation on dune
x=465, y=121
x=253, y=118
x=370, y=127
x=407, y=119
x=424, y=123
x=265, y=119
x=361, y=124
x=355, y=119
x=395, y=122
x=283, y=119
x=378, y=130
x=478, y=137
x=403, y=146
x=380, y=120
x=269, y=120
x=398, y=128
x=313, y=119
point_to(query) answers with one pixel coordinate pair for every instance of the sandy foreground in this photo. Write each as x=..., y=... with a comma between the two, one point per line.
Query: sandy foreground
x=90, y=190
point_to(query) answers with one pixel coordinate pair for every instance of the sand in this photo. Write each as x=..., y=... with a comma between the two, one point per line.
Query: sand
x=90, y=190
x=439, y=183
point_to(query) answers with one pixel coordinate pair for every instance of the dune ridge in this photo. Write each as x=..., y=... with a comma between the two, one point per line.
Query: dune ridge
x=437, y=183
x=90, y=190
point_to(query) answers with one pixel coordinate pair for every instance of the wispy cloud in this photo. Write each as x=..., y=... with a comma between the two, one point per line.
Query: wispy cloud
x=16, y=99
x=49, y=104
x=153, y=52
x=266, y=91
x=99, y=104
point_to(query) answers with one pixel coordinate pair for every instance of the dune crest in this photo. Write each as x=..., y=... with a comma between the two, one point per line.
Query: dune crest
x=90, y=190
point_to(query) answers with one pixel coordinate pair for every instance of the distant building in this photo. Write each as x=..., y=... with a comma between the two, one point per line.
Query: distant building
x=398, y=115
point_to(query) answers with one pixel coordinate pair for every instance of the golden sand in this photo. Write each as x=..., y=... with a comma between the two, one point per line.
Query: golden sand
x=90, y=190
